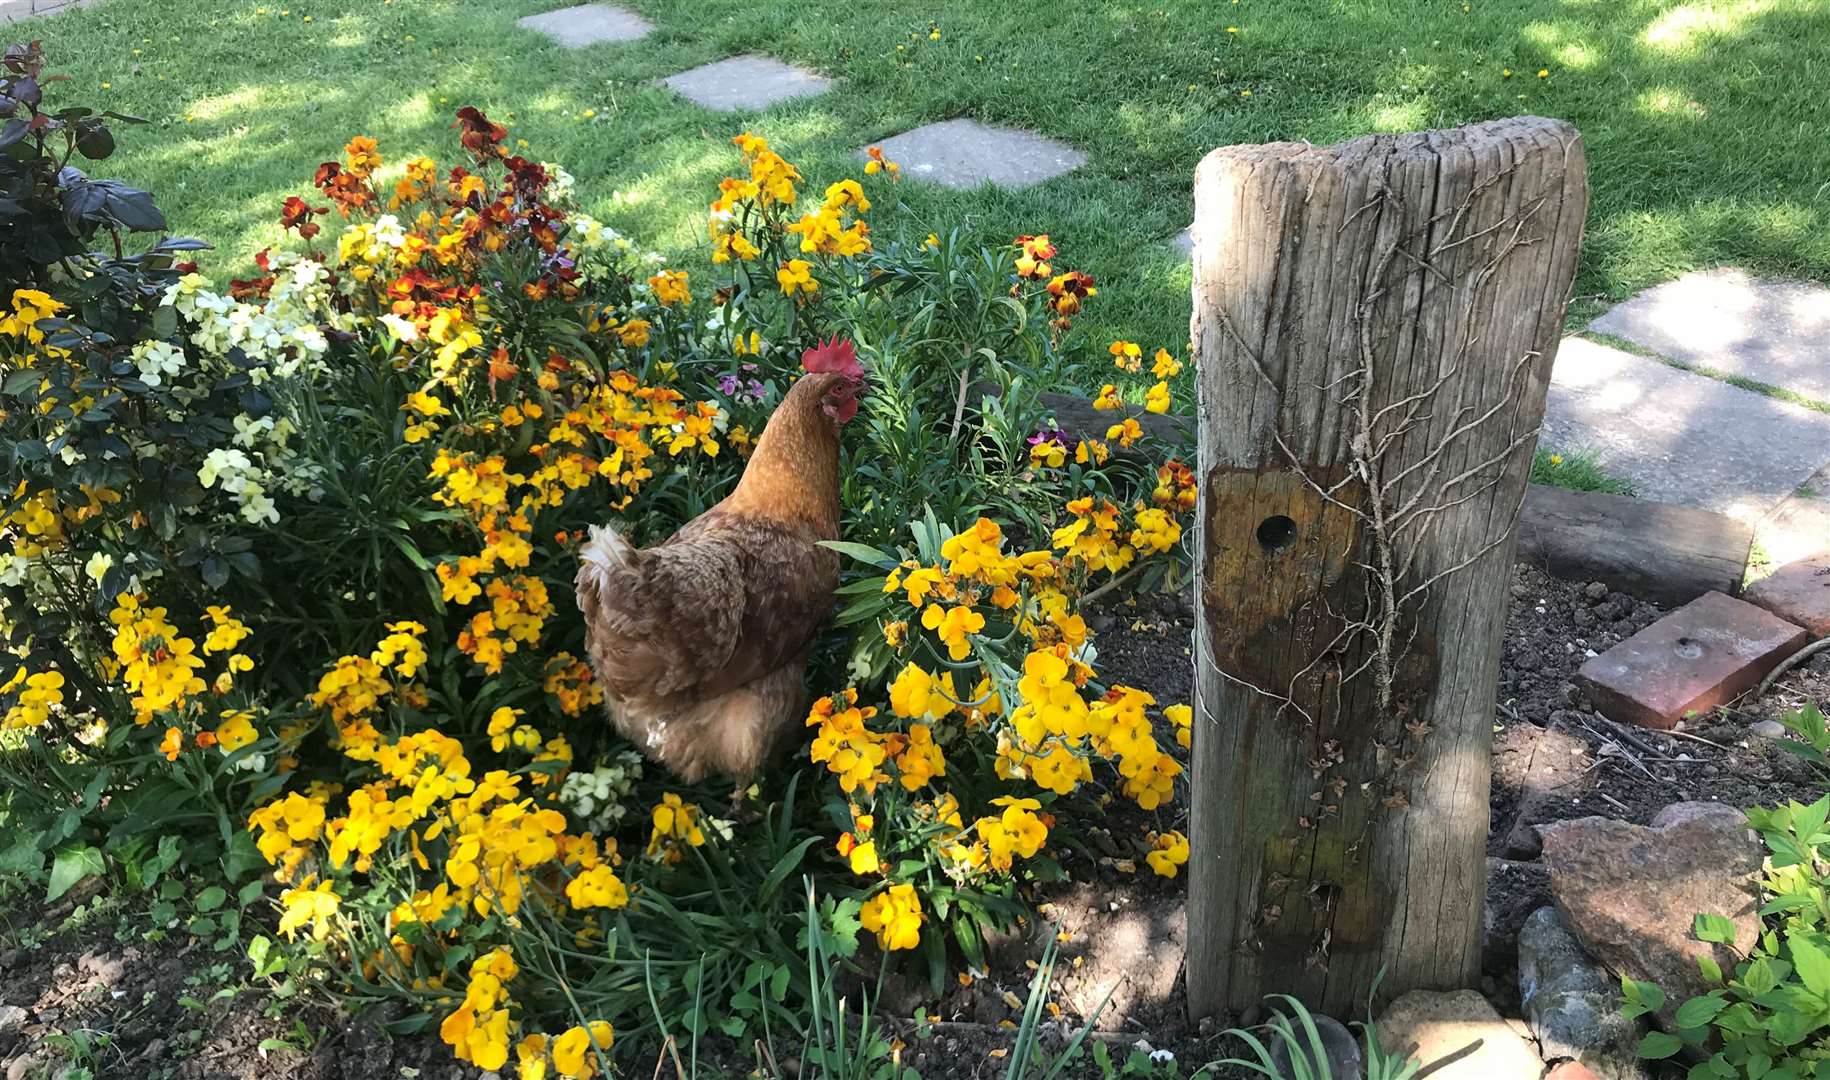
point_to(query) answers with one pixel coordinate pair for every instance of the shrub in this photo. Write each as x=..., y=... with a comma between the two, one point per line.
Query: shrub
x=297, y=559
x=1769, y=1016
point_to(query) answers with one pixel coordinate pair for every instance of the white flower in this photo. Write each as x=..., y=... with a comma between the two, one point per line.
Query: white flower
x=157, y=360
x=402, y=328
x=222, y=463
x=98, y=565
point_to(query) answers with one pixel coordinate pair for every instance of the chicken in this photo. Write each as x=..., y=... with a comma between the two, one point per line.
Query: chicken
x=700, y=643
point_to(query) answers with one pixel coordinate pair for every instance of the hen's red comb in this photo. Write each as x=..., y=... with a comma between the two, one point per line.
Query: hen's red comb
x=833, y=354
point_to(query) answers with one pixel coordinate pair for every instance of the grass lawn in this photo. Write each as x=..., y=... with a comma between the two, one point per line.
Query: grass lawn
x=1705, y=122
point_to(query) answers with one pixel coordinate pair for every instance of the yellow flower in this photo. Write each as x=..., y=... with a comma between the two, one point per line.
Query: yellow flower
x=530, y=1058
x=597, y=887
x=919, y=695
x=571, y=1051
x=1165, y=366
x=895, y=917
x=796, y=276
x=953, y=626
x=236, y=731
x=1157, y=399
x=1091, y=451
x=1556, y=459
x=922, y=760
x=1127, y=356
x=1108, y=399
x=1182, y=716
x=308, y=904
x=1126, y=433
x=675, y=822
x=1169, y=852
x=670, y=288
x=864, y=859
x=172, y=743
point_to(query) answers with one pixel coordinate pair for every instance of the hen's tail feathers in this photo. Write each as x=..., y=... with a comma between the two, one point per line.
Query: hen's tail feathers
x=607, y=549
x=603, y=555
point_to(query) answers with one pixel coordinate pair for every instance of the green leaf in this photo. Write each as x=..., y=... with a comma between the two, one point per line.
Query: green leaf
x=1658, y=1045
x=1699, y=1011
x=1716, y=928
x=864, y=553
x=23, y=856
x=72, y=865
x=1813, y=966
x=1710, y=970
x=211, y=898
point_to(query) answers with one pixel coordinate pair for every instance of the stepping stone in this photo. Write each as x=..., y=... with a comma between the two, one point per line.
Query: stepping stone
x=1184, y=242
x=965, y=153
x=588, y=24
x=745, y=82
x=1798, y=592
x=17, y=10
x=1680, y=437
x=1704, y=654
x=1777, y=332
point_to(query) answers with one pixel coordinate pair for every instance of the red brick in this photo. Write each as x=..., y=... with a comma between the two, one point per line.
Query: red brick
x=1798, y=592
x=1702, y=655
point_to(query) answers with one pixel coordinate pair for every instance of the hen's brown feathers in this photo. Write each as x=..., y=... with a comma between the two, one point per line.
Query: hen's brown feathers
x=724, y=601
x=700, y=642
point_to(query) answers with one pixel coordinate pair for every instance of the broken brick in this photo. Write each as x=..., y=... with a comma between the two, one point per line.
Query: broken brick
x=1798, y=592
x=1704, y=654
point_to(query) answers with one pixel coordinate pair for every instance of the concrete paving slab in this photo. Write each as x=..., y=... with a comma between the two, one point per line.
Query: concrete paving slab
x=1777, y=332
x=1680, y=437
x=745, y=82
x=18, y=10
x=1800, y=526
x=964, y=153
x=588, y=24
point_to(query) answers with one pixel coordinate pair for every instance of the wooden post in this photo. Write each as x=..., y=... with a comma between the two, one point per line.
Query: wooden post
x=1375, y=323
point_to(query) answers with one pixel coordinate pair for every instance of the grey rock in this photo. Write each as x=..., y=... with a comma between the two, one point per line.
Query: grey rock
x=1777, y=332
x=1768, y=729
x=1572, y=1003
x=588, y=24
x=1680, y=437
x=1678, y=813
x=745, y=82
x=1184, y=242
x=1514, y=891
x=11, y=1016
x=963, y=153
x=1431, y=1025
x=1340, y=1050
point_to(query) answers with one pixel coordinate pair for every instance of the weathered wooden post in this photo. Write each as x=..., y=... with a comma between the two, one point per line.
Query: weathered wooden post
x=1375, y=323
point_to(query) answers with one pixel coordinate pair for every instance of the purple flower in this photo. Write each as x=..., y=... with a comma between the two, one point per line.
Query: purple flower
x=727, y=385
x=1048, y=435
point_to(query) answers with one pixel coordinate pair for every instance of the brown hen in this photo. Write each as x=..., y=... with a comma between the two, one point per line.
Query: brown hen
x=700, y=642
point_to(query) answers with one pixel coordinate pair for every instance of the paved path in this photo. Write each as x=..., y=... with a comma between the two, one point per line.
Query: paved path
x=1712, y=390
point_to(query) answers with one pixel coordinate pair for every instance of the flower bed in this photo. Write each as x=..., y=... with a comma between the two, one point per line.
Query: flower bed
x=289, y=575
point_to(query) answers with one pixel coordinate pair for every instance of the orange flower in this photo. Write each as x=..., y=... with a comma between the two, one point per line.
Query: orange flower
x=880, y=164
x=172, y=744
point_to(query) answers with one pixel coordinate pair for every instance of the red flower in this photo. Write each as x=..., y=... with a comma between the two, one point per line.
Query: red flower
x=295, y=214
x=480, y=136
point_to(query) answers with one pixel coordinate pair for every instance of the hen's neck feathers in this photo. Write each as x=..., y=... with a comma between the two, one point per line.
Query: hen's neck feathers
x=794, y=474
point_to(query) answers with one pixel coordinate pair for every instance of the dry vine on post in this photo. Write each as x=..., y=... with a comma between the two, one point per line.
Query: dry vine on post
x=1375, y=324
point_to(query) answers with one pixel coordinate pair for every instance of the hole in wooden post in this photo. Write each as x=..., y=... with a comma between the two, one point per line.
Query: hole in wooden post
x=1276, y=533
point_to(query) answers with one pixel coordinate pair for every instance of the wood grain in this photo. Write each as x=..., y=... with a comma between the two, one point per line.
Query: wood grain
x=1374, y=324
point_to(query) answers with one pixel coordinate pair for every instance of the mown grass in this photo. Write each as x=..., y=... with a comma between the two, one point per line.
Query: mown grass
x=1703, y=120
